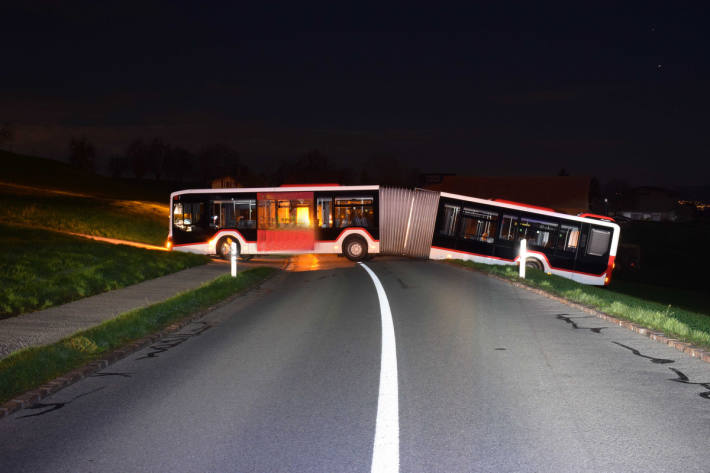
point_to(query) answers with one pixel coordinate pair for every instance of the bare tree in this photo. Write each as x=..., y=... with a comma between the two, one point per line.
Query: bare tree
x=118, y=165
x=137, y=156
x=385, y=169
x=179, y=163
x=157, y=157
x=82, y=154
x=219, y=161
x=312, y=166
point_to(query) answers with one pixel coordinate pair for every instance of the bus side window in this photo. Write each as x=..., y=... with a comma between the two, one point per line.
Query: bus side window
x=245, y=213
x=508, y=229
x=539, y=233
x=449, y=220
x=324, y=212
x=568, y=238
x=233, y=214
x=598, y=242
x=354, y=212
x=479, y=225
x=188, y=215
x=178, y=217
x=266, y=214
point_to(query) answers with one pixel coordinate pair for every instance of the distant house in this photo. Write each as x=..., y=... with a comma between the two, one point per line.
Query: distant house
x=227, y=182
x=650, y=203
x=568, y=194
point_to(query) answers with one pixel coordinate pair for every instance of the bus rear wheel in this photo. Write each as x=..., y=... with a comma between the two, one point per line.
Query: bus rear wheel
x=224, y=247
x=355, y=248
x=534, y=264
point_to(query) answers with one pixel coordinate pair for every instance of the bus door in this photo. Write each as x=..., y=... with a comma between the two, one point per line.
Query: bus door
x=566, y=245
x=507, y=243
x=285, y=221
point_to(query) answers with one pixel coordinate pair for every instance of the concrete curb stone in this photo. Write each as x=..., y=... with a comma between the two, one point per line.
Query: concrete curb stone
x=693, y=351
x=51, y=387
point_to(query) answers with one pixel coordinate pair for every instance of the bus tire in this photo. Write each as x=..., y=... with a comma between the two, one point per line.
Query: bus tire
x=224, y=247
x=355, y=248
x=534, y=264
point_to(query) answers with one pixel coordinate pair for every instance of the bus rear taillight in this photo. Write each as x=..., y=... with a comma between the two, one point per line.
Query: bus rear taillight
x=610, y=267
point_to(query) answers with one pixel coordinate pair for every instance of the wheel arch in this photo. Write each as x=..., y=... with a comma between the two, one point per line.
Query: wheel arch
x=540, y=258
x=372, y=244
x=217, y=237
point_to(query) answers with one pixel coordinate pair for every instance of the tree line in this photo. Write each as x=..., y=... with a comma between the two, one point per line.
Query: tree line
x=159, y=160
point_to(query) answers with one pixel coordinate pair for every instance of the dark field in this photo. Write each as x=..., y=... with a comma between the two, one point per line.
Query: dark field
x=674, y=264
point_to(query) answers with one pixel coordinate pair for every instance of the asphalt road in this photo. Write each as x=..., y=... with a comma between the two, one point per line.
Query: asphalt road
x=287, y=378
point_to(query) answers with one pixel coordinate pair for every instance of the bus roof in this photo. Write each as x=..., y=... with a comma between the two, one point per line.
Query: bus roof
x=531, y=208
x=284, y=188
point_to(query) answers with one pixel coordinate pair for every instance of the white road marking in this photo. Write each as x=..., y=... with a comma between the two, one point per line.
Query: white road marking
x=385, y=453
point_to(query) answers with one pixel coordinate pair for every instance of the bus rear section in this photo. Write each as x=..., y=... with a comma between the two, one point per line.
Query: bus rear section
x=580, y=248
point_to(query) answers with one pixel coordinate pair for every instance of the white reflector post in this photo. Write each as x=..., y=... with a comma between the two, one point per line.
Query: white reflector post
x=523, y=257
x=234, y=259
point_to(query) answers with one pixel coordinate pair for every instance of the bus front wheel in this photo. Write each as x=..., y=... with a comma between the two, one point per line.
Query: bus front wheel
x=224, y=247
x=534, y=264
x=355, y=248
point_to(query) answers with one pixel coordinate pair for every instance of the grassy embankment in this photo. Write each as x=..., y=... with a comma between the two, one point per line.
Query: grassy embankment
x=53, y=195
x=683, y=324
x=30, y=368
x=42, y=268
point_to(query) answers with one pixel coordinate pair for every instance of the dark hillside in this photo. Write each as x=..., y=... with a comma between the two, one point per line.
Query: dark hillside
x=51, y=174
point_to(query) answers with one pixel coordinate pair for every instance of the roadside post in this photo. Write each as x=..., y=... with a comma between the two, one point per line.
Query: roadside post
x=523, y=257
x=234, y=259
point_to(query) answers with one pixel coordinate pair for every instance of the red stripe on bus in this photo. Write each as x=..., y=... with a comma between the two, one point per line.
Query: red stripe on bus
x=215, y=236
x=254, y=241
x=516, y=259
x=601, y=217
x=310, y=185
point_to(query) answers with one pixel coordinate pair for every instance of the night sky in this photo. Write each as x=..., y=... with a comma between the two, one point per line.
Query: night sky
x=501, y=89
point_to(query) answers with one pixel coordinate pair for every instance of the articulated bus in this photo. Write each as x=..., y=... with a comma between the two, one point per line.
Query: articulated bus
x=360, y=221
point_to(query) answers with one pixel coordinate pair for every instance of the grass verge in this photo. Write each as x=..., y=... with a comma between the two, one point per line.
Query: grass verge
x=685, y=325
x=43, y=268
x=31, y=367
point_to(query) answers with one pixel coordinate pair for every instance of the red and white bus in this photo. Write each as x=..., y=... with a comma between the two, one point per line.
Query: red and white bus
x=359, y=221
